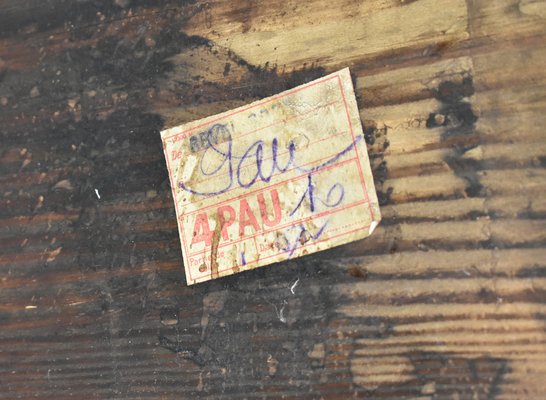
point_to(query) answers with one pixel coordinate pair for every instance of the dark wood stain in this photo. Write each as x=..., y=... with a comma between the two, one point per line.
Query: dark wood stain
x=94, y=302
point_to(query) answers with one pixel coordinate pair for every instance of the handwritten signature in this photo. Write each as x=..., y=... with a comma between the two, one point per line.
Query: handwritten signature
x=255, y=152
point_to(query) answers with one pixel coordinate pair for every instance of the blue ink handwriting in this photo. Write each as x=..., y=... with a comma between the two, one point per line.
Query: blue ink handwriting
x=255, y=154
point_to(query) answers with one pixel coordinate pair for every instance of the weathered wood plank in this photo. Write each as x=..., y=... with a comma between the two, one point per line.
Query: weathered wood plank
x=445, y=300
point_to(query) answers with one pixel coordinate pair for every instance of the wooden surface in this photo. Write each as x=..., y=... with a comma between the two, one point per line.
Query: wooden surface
x=445, y=300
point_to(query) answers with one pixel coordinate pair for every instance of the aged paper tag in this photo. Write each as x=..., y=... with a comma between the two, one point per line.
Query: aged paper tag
x=282, y=177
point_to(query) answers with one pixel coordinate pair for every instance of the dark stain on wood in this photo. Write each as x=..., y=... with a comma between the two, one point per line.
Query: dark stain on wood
x=377, y=143
x=32, y=16
x=358, y=272
x=440, y=376
x=458, y=121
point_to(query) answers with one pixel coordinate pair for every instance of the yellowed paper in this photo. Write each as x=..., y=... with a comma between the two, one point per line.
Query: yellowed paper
x=285, y=176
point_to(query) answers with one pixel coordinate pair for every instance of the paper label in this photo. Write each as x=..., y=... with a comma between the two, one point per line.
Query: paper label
x=280, y=178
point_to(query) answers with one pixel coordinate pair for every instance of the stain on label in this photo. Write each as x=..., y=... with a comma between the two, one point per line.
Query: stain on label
x=280, y=178
x=213, y=136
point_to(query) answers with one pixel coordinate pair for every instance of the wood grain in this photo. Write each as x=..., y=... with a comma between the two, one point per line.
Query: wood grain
x=445, y=300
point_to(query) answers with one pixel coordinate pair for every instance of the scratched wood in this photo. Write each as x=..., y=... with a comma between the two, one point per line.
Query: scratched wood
x=445, y=300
